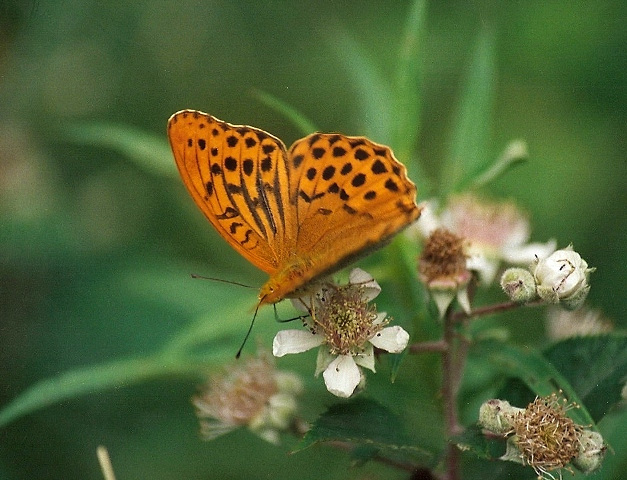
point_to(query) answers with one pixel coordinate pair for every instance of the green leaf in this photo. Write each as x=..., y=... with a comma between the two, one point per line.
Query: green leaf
x=469, y=149
x=150, y=152
x=595, y=366
x=299, y=120
x=473, y=440
x=82, y=381
x=408, y=88
x=372, y=88
x=535, y=371
x=515, y=153
x=364, y=422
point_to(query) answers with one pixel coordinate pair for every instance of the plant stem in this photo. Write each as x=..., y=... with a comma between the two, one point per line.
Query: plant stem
x=492, y=309
x=422, y=347
x=452, y=365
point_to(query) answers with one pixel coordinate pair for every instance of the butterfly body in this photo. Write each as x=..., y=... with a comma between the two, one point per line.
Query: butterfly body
x=300, y=214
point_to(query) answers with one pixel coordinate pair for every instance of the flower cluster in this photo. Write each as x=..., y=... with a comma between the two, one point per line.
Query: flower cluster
x=543, y=436
x=562, y=277
x=251, y=393
x=346, y=328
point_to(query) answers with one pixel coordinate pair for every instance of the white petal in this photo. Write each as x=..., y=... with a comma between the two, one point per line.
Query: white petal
x=391, y=339
x=463, y=300
x=342, y=376
x=486, y=268
x=380, y=317
x=364, y=279
x=526, y=254
x=428, y=220
x=294, y=341
x=323, y=360
x=366, y=358
x=442, y=300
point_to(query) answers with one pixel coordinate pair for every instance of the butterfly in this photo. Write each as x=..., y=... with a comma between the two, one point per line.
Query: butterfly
x=297, y=214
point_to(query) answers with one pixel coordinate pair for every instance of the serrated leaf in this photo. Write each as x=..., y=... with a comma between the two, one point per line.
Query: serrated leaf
x=364, y=422
x=530, y=366
x=469, y=149
x=595, y=366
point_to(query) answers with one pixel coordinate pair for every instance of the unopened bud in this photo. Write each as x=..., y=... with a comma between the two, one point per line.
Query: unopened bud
x=495, y=415
x=519, y=285
x=591, y=451
x=563, y=278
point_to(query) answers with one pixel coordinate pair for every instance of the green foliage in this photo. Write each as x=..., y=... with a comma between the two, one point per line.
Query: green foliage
x=593, y=369
x=368, y=425
x=469, y=151
x=535, y=371
x=473, y=440
x=105, y=336
x=596, y=367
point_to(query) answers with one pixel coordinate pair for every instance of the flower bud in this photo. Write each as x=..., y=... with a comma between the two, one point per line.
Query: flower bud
x=562, y=278
x=496, y=416
x=519, y=285
x=591, y=451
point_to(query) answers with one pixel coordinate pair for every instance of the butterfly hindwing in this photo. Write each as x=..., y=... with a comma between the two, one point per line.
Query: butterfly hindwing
x=352, y=195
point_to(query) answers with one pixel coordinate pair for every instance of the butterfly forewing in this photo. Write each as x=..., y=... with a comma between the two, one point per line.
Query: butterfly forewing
x=231, y=173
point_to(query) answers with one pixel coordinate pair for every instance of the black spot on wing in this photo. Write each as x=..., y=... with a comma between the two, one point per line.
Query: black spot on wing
x=391, y=185
x=230, y=164
x=328, y=172
x=358, y=180
x=318, y=153
x=378, y=167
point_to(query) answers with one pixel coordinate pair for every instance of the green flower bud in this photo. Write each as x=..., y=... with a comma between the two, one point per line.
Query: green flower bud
x=519, y=285
x=495, y=416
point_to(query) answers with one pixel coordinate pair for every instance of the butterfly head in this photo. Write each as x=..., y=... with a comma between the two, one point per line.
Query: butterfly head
x=271, y=292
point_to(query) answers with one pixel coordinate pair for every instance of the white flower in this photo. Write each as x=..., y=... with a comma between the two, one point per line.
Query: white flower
x=346, y=329
x=563, y=278
x=494, y=232
x=249, y=393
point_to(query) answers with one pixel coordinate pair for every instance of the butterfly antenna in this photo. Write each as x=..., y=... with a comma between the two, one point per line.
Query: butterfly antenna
x=250, y=329
x=285, y=320
x=194, y=275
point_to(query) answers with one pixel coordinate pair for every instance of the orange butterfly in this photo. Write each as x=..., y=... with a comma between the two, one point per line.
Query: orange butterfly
x=299, y=214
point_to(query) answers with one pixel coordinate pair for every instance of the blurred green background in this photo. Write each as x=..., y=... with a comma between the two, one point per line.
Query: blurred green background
x=96, y=245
